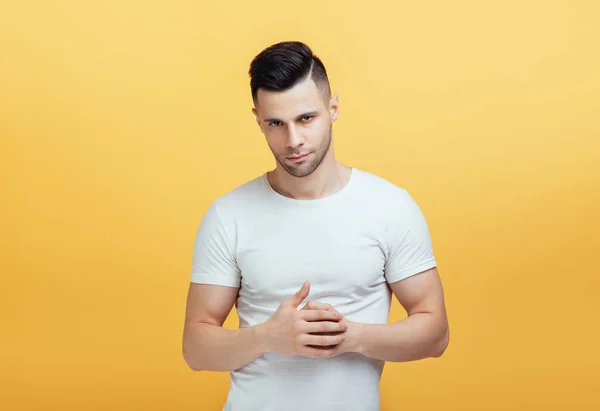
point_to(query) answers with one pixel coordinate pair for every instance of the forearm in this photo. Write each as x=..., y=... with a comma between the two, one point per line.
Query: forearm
x=213, y=348
x=419, y=336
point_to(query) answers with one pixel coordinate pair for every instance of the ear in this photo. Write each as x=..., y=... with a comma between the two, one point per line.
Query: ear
x=256, y=116
x=334, y=107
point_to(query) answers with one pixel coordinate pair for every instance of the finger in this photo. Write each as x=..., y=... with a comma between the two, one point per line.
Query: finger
x=320, y=315
x=323, y=347
x=312, y=305
x=324, y=327
x=322, y=340
x=296, y=299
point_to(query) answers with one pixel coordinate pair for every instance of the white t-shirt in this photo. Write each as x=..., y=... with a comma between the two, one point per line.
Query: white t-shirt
x=349, y=245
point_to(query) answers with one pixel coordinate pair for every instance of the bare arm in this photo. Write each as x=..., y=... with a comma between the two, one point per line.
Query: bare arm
x=206, y=344
x=423, y=334
x=209, y=346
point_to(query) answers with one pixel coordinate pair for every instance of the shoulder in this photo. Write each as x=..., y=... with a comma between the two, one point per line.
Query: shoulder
x=392, y=201
x=239, y=200
x=380, y=190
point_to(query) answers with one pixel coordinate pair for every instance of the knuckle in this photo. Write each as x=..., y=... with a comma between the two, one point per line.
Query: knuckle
x=327, y=326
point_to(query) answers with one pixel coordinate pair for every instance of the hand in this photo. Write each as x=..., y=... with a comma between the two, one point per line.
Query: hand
x=308, y=332
x=351, y=342
x=312, y=305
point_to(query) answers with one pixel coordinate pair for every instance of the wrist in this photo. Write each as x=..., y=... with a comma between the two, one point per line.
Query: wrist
x=260, y=338
x=356, y=337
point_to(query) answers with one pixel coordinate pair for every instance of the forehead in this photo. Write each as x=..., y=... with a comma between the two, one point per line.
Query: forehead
x=303, y=97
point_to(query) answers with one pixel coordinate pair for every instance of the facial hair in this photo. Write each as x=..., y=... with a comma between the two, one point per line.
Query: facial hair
x=303, y=170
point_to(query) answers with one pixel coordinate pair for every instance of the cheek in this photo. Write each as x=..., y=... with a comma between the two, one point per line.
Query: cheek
x=315, y=133
x=276, y=144
x=319, y=135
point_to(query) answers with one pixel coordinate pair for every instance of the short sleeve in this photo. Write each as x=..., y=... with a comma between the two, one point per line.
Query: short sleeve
x=213, y=258
x=410, y=249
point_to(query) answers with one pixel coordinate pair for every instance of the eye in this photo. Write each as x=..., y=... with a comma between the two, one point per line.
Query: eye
x=274, y=123
x=306, y=119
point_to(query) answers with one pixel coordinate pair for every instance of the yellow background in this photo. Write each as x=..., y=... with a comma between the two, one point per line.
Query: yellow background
x=121, y=121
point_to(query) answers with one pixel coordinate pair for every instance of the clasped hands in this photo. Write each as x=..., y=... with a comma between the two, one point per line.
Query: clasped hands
x=315, y=331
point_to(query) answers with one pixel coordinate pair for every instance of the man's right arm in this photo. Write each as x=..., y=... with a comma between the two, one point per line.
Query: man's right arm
x=214, y=285
x=206, y=344
x=313, y=332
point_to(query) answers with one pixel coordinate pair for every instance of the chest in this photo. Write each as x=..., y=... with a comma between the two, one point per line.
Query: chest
x=342, y=257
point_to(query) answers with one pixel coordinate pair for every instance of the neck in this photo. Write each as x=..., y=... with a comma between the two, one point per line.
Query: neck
x=330, y=177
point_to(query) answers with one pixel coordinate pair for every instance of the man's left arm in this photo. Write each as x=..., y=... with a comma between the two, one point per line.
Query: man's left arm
x=424, y=333
x=411, y=272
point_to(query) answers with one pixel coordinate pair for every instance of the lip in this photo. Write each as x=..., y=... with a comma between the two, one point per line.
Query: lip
x=299, y=158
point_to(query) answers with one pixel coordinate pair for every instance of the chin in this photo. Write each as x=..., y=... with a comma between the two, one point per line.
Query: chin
x=302, y=170
x=298, y=172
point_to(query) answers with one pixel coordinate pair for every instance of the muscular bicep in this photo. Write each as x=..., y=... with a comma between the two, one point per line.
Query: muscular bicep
x=421, y=293
x=210, y=304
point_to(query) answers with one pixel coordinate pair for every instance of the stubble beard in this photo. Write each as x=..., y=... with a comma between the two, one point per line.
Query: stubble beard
x=306, y=169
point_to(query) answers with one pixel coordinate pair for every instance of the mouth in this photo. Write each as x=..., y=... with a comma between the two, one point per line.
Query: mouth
x=298, y=158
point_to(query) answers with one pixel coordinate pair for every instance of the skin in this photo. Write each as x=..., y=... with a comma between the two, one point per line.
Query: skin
x=299, y=121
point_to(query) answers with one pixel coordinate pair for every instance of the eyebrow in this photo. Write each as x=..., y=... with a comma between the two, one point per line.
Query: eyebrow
x=309, y=114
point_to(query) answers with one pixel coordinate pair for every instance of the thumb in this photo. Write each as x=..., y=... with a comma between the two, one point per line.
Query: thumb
x=300, y=295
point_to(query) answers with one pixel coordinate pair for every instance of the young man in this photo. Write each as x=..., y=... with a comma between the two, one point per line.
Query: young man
x=310, y=253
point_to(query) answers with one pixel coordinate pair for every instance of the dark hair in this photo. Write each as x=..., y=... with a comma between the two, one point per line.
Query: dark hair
x=281, y=66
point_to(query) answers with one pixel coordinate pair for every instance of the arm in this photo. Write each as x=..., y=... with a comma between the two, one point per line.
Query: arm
x=214, y=285
x=206, y=344
x=209, y=346
x=215, y=282
x=423, y=334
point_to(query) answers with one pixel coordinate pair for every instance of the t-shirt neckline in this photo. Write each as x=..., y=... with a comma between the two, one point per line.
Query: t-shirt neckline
x=316, y=201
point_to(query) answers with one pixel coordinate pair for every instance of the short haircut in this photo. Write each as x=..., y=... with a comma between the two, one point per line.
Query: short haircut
x=281, y=66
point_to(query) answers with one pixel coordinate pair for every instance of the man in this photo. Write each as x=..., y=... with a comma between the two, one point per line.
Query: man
x=310, y=253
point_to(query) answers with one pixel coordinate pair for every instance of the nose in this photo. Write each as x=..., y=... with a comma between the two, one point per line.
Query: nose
x=294, y=137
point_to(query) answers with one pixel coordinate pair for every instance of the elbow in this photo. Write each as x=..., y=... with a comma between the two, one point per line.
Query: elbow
x=189, y=360
x=195, y=369
x=441, y=344
x=191, y=365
